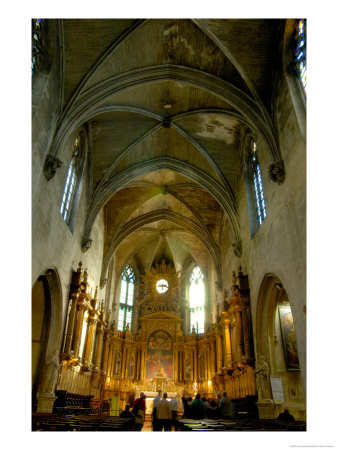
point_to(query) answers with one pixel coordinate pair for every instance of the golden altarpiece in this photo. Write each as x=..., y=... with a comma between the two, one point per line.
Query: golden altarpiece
x=99, y=360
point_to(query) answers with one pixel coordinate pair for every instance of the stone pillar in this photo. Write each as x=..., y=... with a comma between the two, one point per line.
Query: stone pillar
x=70, y=325
x=78, y=326
x=228, y=354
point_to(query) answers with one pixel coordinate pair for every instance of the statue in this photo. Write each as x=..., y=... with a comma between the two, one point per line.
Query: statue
x=51, y=372
x=262, y=378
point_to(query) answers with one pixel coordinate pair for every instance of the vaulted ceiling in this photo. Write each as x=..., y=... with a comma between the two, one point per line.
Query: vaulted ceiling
x=165, y=102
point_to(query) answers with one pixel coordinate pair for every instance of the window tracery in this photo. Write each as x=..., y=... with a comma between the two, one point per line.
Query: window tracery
x=37, y=43
x=126, y=298
x=196, y=297
x=71, y=181
x=257, y=184
x=300, y=53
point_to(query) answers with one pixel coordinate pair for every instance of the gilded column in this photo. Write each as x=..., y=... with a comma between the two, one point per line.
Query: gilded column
x=247, y=334
x=195, y=365
x=70, y=325
x=78, y=326
x=228, y=345
x=88, y=354
x=219, y=352
x=110, y=361
x=213, y=355
x=99, y=339
x=105, y=352
x=239, y=334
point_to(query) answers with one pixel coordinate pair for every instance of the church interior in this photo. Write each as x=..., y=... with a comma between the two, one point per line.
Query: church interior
x=168, y=213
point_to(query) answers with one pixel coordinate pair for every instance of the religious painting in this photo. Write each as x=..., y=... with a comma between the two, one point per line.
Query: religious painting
x=131, y=366
x=159, y=355
x=187, y=368
x=293, y=392
x=117, y=360
x=289, y=338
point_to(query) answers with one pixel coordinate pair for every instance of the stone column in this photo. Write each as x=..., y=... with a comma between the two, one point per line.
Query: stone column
x=78, y=326
x=228, y=355
x=70, y=325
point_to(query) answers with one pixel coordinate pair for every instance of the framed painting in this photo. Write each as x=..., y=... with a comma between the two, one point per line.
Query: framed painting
x=289, y=338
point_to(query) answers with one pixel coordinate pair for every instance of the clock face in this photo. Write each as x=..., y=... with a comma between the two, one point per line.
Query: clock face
x=162, y=286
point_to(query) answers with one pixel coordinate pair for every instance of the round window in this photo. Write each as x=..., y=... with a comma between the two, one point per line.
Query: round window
x=162, y=286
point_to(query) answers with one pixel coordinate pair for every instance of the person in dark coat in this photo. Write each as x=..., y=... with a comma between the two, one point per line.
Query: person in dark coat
x=285, y=416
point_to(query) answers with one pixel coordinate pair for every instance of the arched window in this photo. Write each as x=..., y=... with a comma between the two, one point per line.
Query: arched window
x=126, y=298
x=196, y=298
x=71, y=182
x=300, y=52
x=38, y=37
x=257, y=183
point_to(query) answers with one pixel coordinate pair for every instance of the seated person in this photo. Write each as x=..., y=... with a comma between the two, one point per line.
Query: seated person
x=285, y=416
x=212, y=412
x=127, y=414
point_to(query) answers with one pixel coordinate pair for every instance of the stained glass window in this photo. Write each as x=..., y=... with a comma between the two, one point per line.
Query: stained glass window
x=71, y=180
x=196, y=297
x=37, y=43
x=126, y=298
x=257, y=184
x=300, y=52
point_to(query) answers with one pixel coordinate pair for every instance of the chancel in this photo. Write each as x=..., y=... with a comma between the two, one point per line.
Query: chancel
x=168, y=221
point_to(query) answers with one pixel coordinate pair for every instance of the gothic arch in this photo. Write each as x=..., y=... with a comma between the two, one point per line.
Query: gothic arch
x=136, y=223
x=224, y=198
x=53, y=301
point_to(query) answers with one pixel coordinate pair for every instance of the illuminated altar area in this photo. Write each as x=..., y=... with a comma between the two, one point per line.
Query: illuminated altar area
x=101, y=361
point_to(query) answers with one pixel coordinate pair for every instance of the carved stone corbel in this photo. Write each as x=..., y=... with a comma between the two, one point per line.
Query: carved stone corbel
x=86, y=244
x=237, y=248
x=51, y=164
x=103, y=282
x=277, y=172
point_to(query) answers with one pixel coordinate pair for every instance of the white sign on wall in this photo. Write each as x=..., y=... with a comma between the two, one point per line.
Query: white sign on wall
x=277, y=389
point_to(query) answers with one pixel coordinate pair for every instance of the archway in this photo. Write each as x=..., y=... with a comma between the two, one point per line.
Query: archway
x=276, y=342
x=46, y=336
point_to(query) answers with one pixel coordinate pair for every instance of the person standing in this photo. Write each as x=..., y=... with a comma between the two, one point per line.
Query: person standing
x=174, y=408
x=139, y=411
x=163, y=414
x=156, y=402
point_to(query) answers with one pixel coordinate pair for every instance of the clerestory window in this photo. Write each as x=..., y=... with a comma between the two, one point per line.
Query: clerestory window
x=257, y=184
x=38, y=37
x=300, y=53
x=196, y=299
x=71, y=182
x=126, y=298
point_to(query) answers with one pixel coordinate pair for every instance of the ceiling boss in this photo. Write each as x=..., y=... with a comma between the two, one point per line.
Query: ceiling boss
x=161, y=289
